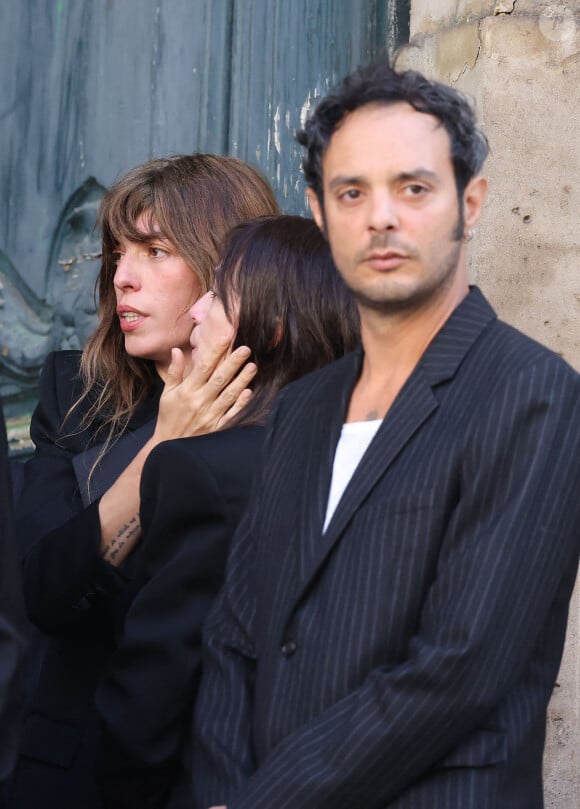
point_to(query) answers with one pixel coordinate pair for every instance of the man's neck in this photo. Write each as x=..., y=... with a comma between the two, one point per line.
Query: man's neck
x=393, y=345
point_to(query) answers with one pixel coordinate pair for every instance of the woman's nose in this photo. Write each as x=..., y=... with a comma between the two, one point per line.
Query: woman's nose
x=126, y=274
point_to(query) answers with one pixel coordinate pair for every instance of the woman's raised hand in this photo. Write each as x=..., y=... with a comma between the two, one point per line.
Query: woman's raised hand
x=206, y=398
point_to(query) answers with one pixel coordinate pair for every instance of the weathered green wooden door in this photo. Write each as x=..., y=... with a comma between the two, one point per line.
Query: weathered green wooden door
x=93, y=87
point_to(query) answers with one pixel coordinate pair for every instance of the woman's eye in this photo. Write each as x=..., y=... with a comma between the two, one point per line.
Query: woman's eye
x=117, y=255
x=158, y=252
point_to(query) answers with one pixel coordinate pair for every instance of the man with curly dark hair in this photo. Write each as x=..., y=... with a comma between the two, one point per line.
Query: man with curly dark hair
x=396, y=601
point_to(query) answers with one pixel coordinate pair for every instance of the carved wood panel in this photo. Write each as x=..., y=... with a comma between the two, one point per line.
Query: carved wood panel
x=94, y=87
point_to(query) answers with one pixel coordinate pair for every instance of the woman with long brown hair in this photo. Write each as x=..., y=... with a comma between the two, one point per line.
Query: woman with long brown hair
x=100, y=414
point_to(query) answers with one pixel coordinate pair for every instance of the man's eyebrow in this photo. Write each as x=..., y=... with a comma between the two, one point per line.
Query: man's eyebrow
x=342, y=179
x=417, y=174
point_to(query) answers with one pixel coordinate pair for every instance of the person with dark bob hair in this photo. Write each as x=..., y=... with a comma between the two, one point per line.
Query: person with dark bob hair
x=101, y=411
x=276, y=282
x=276, y=290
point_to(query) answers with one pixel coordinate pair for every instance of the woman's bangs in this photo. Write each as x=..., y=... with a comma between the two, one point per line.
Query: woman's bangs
x=133, y=218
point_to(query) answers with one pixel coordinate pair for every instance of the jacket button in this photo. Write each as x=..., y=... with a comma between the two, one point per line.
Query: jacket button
x=288, y=648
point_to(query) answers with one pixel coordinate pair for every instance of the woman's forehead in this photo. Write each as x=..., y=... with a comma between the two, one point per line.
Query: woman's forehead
x=141, y=227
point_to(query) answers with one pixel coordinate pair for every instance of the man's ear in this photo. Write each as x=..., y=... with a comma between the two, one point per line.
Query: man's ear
x=316, y=208
x=473, y=199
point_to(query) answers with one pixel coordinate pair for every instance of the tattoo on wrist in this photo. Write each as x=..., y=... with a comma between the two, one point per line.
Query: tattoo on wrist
x=124, y=534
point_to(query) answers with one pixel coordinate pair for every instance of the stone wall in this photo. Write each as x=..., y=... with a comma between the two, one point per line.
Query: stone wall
x=520, y=61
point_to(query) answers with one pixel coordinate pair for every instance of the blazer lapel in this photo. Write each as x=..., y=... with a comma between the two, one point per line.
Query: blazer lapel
x=416, y=403
x=412, y=407
x=93, y=480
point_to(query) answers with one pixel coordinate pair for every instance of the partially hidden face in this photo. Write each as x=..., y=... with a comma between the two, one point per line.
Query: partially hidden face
x=155, y=289
x=211, y=325
x=391, y=210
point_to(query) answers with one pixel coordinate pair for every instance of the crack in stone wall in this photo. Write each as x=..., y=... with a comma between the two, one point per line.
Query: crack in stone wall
x=469, y=65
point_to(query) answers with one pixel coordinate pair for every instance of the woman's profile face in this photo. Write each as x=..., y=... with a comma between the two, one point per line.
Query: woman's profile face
x=155, y=289
x=211, y=324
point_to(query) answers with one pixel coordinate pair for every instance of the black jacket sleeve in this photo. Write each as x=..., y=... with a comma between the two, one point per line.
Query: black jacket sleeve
x=12, y=622
x=63, y=573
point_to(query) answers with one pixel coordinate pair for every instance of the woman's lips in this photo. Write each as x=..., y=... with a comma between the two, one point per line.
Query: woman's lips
x=129, y=318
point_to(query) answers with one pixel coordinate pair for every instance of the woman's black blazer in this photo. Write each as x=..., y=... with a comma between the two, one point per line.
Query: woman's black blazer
x=193, y=492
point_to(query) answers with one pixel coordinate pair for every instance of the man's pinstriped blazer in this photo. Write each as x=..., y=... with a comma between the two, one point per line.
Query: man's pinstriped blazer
x=405, y=657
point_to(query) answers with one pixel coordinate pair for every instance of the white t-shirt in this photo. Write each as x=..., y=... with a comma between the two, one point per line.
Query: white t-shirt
x=352, y=444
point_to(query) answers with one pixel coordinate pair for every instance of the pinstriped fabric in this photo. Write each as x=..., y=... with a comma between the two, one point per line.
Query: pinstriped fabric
x=405, y=658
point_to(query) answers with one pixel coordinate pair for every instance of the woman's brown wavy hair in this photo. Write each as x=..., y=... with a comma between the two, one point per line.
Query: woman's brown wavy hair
x=193, y=200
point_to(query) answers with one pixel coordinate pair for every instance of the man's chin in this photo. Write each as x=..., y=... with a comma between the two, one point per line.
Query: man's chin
x=397, y=299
